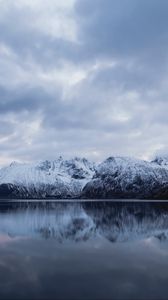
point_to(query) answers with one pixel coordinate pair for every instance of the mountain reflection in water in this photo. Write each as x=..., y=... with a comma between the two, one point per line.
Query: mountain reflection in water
x=86, y=250
x=117, y=221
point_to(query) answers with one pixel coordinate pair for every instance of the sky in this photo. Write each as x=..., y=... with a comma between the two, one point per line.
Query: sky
x=83, y=78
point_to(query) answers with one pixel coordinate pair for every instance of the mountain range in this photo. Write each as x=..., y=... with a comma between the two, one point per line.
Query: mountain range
x=115, y=178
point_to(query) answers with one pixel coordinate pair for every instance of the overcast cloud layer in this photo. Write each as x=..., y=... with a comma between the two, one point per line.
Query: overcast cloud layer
x=85, y=77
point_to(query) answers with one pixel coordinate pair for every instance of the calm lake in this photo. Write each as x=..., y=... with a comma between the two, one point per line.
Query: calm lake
x=86, y=250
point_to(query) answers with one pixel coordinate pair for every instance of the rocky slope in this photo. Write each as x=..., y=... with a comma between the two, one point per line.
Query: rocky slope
x=59, y=179
x=116, y=177
x=124, y=177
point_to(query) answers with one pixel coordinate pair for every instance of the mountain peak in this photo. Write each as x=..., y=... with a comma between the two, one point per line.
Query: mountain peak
x=14, y=163
x=161, y=160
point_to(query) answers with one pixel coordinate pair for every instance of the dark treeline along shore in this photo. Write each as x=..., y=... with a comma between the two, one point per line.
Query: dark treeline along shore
x=78, y=178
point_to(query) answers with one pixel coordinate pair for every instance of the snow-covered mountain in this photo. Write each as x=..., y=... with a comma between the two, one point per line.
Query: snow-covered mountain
x=59, y=178
x=161, y=160
x=125, y=177
x=116, y=177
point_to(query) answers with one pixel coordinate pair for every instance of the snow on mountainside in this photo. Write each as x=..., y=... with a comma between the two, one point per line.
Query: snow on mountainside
x=124, y=177
x=59, y=178
x=161, y=160
x=116, y=177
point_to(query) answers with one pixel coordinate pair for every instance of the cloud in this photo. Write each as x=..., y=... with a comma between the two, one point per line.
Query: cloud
x=83, y=78
x=123, y=28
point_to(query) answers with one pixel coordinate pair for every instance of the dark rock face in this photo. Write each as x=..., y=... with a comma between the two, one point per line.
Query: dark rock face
x=6, y=190
x=109, y=189
x=11, y=191
x=161, y=192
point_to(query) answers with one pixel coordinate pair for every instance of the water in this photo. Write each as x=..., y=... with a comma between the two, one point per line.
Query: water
x=88, y=250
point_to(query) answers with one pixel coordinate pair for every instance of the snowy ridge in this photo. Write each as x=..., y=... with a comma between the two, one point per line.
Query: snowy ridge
x=116, y=177
x=161, y=160
x=125, y=177
x=58, y=178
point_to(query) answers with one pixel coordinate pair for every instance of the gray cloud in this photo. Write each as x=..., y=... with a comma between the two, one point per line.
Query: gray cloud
x=124, y=28
x=83, y=78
